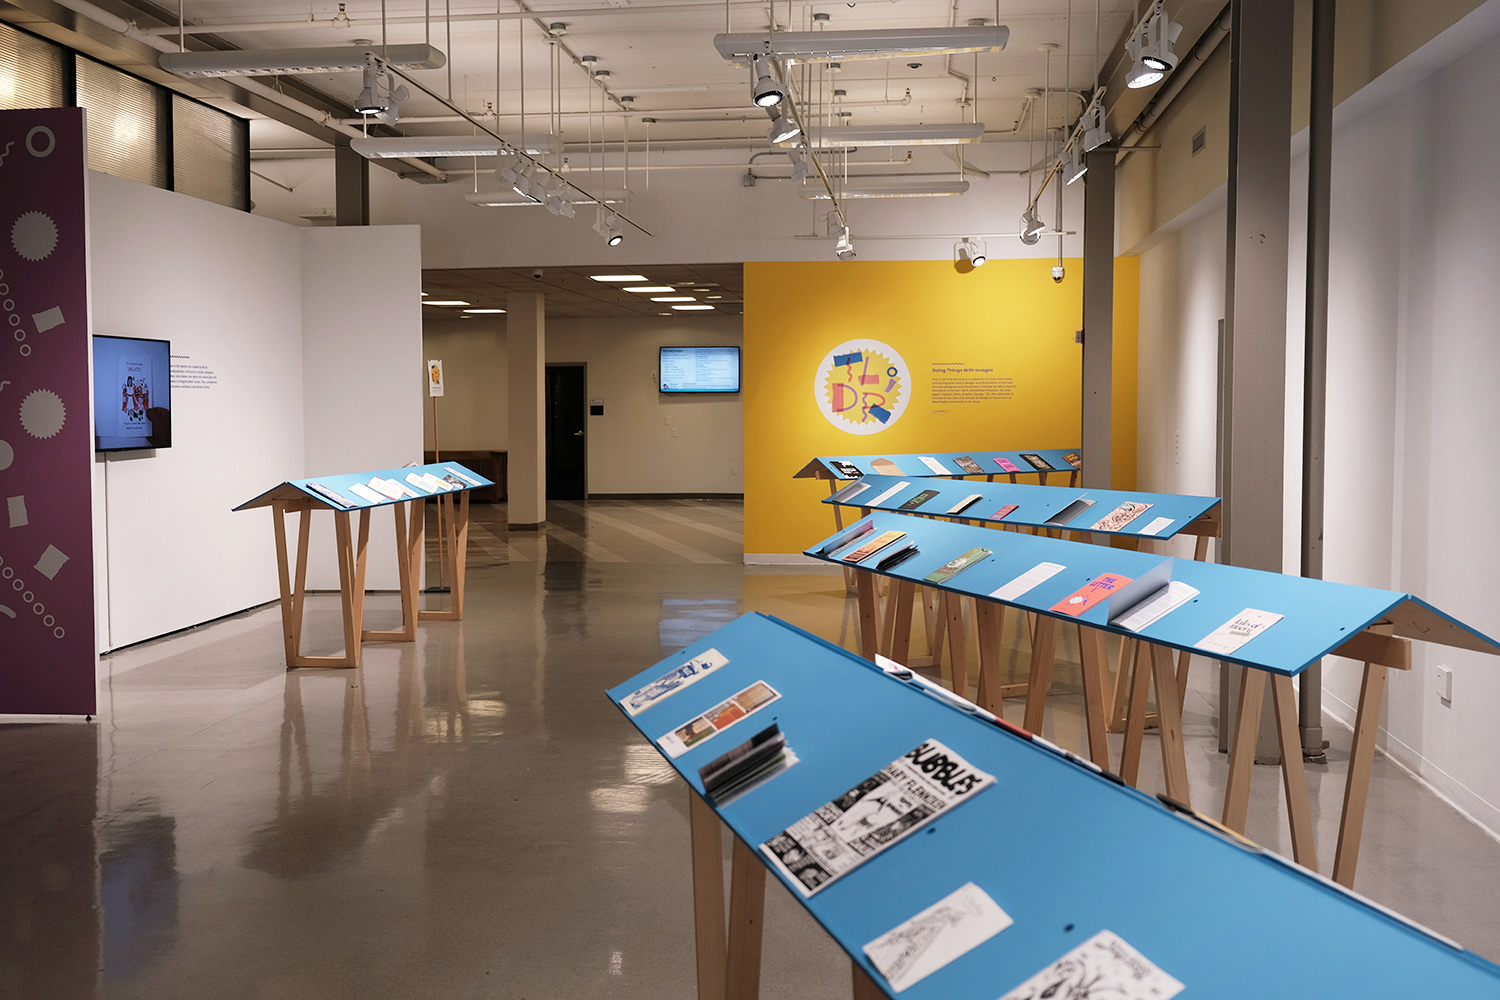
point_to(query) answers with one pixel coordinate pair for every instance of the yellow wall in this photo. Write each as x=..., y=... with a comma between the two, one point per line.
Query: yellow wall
x=1008, y=316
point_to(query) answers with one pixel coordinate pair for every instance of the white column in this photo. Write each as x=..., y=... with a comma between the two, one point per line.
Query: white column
x=526, y=348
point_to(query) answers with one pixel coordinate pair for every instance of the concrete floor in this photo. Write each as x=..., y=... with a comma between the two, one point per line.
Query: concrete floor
x=468, y=817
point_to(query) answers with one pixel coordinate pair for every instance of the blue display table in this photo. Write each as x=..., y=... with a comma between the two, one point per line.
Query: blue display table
x=346, y=492
x=1063, y=851
x=1319, y=618
x=1040, y=462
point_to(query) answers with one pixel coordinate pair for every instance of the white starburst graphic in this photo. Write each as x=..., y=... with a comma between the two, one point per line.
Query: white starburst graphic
x=34, y=236
x=43, y=414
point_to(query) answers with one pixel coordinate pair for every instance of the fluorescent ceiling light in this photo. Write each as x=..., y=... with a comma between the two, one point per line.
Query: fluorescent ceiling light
x=674, y=298
x=933, y=189
x=618, y=277
x=415, y=145
x=483, y=312
x=650, y=288
x=814, y=46
x=690, y=308
x=444, y=302
x=497, y=199
x=897, y=135
x=271, y=62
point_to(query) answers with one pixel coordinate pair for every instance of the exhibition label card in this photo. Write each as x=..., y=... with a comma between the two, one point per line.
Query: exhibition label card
x=1090, y=594
x=1237, y=631
x=873, y=546
x=462, y=475
x=1027, y=580
x=967, y=463
x=365, y=493
x=1121, y=516
x=674, y=680
x=1103, y=966
x=934, y=465
x=886, y=807
x=1157, y=525
x=956, y=565
x=1007, y=465
x=953, y=926
x=717, y=719
x=1169, y=598
x=850, y=492
x=882, y=498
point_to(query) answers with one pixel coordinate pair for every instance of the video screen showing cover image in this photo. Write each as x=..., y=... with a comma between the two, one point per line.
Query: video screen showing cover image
x=132, y=393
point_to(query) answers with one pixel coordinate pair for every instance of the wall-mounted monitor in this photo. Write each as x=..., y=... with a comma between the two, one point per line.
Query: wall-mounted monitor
x=132, y=393
x=700, y=369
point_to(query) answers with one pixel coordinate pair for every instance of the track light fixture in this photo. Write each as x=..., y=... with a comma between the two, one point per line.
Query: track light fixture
x=1031, y=226
x=765, y=91
x=605, y=223
x=800, y=166
x=1150, y=49
x=1095, y=134
x=970, y=251
x=783, y=129
x=844, y=248
x=1072, y=166
x=381, y=101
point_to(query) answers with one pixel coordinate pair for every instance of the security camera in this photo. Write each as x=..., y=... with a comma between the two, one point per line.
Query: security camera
x=1057, y=273
x=537, y=274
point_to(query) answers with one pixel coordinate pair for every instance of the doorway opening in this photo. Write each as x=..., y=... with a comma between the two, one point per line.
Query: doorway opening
x=567, y=445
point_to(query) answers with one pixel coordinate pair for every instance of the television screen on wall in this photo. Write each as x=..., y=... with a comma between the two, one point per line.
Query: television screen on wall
x=700, y=369
x=132, y=393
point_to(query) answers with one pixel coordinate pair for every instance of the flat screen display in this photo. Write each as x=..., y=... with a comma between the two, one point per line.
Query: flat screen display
x=132, y=393
x=700, y=369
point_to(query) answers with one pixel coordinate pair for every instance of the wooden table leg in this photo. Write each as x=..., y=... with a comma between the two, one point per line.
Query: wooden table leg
x=747, y=904
x=361, y=563
x=1043, y=647
x=989, y=625
x=299, y=581
x=1135, y=720
x=869, y=613
x=347, y=602
x=459, y=548
x=953, y=606
x=1169, y=712
x=864, y=986
x=1293, y=773
x=935, y=622
x=289, y=629
x=1242, y=748
x=708, y=897
x=906, y=591
x=1119, y=694
x=1095, y=663
x=1361, y=761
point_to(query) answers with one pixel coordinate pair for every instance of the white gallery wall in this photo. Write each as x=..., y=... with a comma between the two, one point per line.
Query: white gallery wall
x=265, y=312
x=1413, y=365
x=645, y=442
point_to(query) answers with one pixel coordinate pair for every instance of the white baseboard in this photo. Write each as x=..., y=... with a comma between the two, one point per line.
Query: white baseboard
x=1469, y=804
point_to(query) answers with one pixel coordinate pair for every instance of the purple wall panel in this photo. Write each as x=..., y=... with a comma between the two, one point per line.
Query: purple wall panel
x=47, y=650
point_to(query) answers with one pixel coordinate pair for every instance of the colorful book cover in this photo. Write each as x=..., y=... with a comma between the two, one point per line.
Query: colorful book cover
x=967, y=463
x=1007, y=465
x=1090, y=594
x=1121, y=516
x=1003, y=512
x=135, y=378
x=918, y=500
x=1038, y=463
x=846, y=470
x=1072, y=459
x=955, y=566
x=873, y=546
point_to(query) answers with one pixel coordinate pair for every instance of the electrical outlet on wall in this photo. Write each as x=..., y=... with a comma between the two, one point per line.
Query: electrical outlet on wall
x=1445, y=685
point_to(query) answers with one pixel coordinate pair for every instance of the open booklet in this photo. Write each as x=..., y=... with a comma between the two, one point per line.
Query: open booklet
x=893, y=802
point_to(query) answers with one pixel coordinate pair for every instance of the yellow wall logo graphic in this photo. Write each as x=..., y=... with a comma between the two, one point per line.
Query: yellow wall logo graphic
x=862, y=386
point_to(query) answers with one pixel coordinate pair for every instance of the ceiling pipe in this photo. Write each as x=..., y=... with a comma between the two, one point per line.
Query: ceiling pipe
x=129, y=29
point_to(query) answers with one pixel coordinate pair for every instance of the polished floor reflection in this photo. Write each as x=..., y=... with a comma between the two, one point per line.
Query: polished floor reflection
x=467, y=816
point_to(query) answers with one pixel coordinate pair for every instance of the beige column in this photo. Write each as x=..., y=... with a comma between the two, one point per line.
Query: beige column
x=526, y=353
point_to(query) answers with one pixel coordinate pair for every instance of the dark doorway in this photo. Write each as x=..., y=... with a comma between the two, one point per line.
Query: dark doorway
x=567, y=406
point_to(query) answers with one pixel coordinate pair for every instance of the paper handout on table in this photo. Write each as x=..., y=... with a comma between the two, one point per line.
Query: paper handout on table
x=1121, y=516
x=1090, y=594
x=391, y=489
x=934, y=465
x=1237, y=631
x=953, y=926
x=332, y=496
x=873, y=546
x=1039, y=573
x=889, y=805
x=674, y=680
x=850, y=492
x=365, y=493
x=1156, y=525
x=1169, y=598
x=956, y=565
x=882, y=498
x=758, y=759
x=1103, y=966
x=421, y=483
x=462, y=475
x=717, y=719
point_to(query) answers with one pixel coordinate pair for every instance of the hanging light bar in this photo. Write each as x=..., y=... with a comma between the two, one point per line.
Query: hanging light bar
x=898, y=135
x=274, y=62
x=878, y=43
x=933, y=189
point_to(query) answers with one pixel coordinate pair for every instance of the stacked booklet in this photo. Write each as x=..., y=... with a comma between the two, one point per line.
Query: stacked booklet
x=748, y=764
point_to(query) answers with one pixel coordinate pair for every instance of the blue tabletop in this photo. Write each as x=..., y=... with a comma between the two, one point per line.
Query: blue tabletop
x=459, y=477
x=1063, y=851
x=1319, y=615
x=1034, y=504
x=952, y=463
